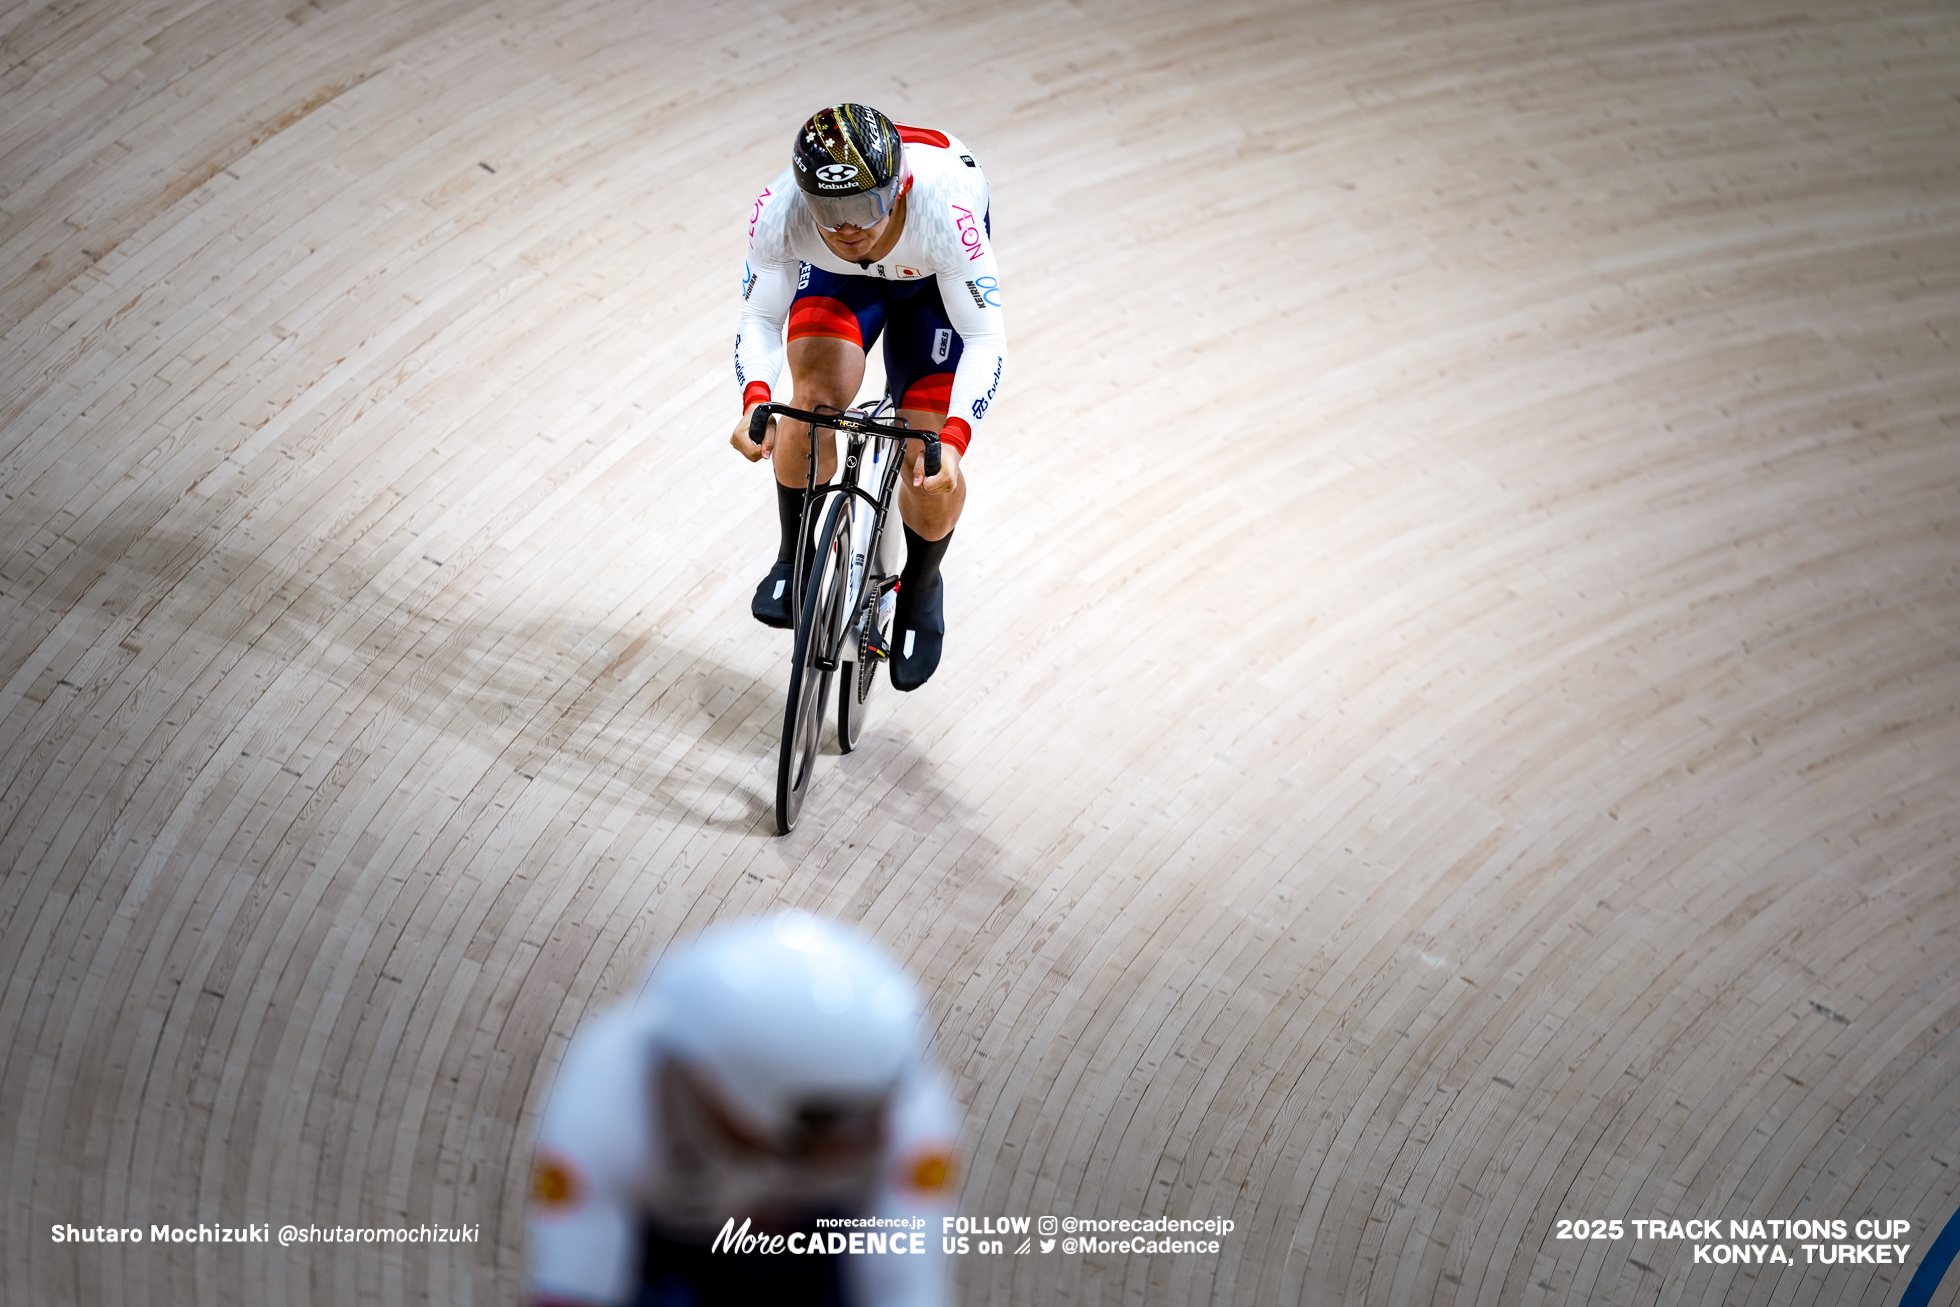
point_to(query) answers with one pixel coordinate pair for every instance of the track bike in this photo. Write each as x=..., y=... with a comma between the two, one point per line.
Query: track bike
x=842, y=609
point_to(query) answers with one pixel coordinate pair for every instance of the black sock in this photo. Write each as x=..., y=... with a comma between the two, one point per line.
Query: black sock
x=921, y=566
x=789, y=512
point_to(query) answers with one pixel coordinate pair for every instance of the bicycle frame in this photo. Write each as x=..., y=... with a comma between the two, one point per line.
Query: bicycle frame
x=847, y=588
x=859, y=428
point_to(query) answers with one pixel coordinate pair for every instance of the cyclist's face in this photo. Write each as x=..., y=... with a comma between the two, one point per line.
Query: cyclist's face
x=857, y=242
x=821, y=1139
x=723, y=1165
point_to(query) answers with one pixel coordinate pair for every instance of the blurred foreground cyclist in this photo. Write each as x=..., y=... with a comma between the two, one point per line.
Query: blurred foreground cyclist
x=772, y=1074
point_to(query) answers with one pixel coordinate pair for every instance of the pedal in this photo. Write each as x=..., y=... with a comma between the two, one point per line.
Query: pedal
x=875, y=643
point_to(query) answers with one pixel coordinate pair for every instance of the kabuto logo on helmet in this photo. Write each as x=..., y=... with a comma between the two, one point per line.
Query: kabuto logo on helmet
x=850, y=165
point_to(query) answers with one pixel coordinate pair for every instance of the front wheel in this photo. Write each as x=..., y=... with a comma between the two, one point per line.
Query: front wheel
x=819, y=635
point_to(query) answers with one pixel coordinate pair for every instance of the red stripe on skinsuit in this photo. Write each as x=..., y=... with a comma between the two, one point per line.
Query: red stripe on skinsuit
x=931, y=394
x=820, y=315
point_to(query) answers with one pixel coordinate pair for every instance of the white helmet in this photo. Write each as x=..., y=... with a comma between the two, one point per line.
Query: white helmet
x=784, y=1012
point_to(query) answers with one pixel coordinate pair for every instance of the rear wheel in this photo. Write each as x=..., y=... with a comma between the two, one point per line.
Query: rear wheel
x=861, y=674
x=819, y=637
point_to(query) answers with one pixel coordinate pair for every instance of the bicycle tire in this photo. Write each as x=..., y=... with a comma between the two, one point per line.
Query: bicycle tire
x=817, y=636
x=864, y=671
x=854, y=687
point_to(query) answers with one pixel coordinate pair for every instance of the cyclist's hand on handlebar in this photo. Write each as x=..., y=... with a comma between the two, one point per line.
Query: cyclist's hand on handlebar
x=748, y=448
x=948, y=479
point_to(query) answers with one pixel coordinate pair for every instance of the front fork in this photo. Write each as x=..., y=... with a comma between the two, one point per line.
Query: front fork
x=880, y=464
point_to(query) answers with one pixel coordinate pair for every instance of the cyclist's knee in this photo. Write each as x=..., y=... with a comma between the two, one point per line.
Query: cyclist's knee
x=825, y=371
x=820, y=398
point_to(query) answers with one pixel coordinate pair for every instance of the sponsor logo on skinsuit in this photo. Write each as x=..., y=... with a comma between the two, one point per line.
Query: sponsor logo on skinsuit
x=981, y=404
x=755, y=214
x=969, y=231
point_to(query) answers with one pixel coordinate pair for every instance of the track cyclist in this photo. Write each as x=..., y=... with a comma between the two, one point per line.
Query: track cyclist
x=762, y=1125
x=873, y=227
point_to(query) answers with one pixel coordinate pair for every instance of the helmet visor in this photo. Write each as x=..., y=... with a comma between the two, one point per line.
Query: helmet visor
x=858, y=209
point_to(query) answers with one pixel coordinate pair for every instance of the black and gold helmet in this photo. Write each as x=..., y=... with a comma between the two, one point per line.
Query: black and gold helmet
x=850, y=165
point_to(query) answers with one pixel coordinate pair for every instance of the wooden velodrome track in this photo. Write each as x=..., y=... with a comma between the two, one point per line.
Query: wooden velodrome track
x=1450, y=713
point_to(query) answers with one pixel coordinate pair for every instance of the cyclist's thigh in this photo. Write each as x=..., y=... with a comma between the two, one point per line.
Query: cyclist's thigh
x=843, y=308
x=922, y=351
x=824, y=370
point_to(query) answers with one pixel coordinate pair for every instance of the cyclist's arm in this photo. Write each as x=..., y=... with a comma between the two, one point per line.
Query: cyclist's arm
x=768, y=286
x=972, y=296
x=583, y=1259
x=767, y=289
x=582, y=1222
x=921, y=1185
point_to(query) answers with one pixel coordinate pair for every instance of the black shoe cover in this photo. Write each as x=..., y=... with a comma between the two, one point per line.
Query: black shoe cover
x=917, y=638
x=771, y=606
